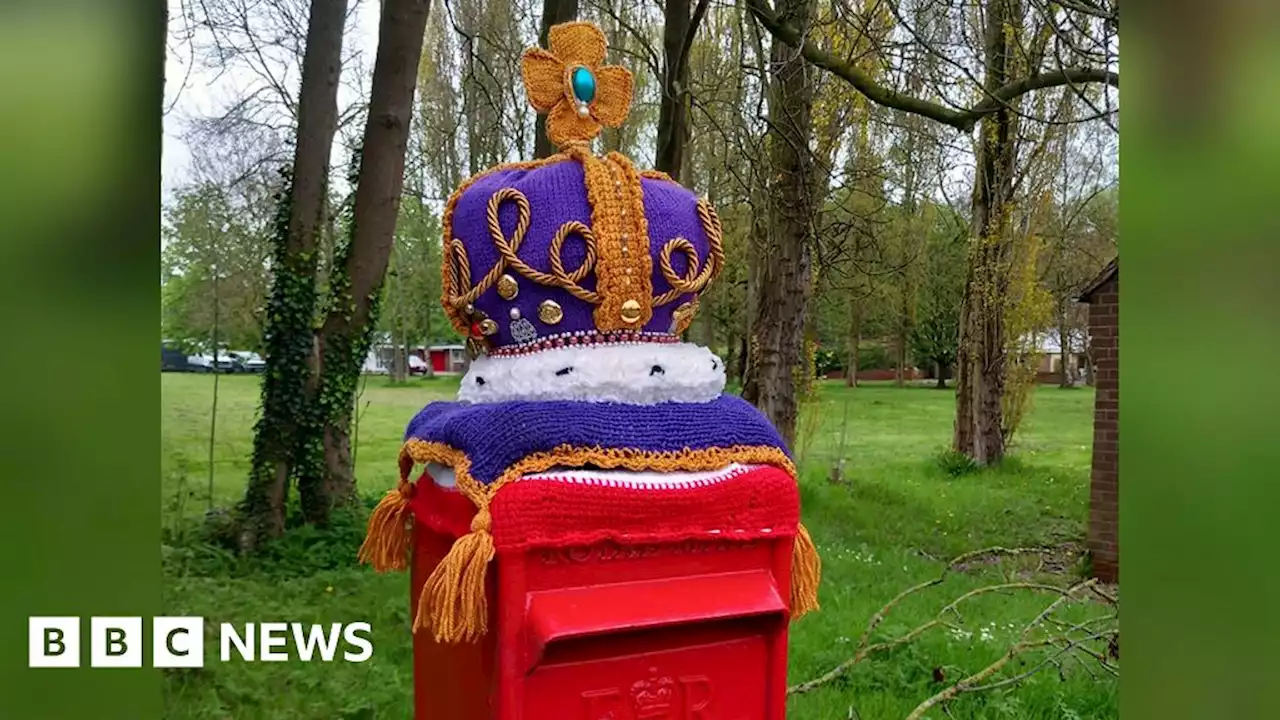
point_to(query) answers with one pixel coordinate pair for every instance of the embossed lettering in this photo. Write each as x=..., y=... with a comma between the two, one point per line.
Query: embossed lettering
x=602, y=704
x=607, y=552
x=697, y=696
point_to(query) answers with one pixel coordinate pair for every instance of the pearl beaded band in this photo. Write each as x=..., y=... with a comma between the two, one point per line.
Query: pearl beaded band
x=584, y=337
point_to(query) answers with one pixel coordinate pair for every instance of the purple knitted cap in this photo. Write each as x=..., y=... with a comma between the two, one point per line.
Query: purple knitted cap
x=532, y=263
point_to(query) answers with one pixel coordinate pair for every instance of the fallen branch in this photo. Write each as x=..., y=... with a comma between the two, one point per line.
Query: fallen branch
x=863, y=649
x=973, y=683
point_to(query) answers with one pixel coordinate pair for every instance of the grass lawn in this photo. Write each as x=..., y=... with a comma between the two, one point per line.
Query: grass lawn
x=895, y=522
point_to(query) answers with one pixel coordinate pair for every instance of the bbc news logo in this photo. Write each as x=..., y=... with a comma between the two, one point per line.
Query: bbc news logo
x=178, y=642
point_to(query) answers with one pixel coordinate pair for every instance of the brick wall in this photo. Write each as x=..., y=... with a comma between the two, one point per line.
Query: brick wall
x=1104, y=495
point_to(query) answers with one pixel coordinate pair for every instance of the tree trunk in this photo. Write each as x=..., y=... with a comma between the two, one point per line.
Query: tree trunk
x=942, y=376
x=345, y=337
x=758, y=245
x=400, y=365
x=1064, y=350
x=554, y=12
x=980, y=384
x=731, y=352
x=287, y=340
x=678, y=30
x=1088, y=363
x=904, y=328
x=785, y=279
x=855, y=338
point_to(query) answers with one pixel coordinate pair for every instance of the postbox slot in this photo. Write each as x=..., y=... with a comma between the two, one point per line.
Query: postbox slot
x=627, y=609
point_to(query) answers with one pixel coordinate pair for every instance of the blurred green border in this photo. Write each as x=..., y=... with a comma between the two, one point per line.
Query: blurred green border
x=1200, y=213
x=79, y=226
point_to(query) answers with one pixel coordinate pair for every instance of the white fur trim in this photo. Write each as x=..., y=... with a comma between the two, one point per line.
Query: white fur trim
x=601, y=373
x=443, y=476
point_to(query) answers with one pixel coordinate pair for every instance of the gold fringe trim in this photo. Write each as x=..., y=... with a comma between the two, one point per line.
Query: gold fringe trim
x=806, y=574
x=454, y=603
x=387, y=539
x=386, y=542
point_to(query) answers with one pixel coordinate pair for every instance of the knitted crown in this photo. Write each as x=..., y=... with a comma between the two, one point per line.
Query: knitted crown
x=575, y=249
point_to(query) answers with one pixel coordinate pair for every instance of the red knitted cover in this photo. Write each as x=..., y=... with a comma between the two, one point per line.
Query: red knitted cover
x=762, y=502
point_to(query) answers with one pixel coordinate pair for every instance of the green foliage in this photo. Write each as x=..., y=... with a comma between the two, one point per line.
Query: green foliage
x=827, y=360
x=956, y=464
x=411, y=311
x=874, y=357
x=209, y=547
x=1027, y=308
x=345, y=344
x=935, y=337
x=213, y=231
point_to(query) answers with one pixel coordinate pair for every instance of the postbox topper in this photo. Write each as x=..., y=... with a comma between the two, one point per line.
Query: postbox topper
x=583, y=417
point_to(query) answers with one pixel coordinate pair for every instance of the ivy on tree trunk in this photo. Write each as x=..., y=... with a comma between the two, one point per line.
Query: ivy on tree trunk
x=287, y=338
x=980, y=363
x=343, y=341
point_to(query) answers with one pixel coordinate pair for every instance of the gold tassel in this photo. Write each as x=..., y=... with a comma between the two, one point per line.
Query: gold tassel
x=453, y=603
x=386, y=542
x=806, y=573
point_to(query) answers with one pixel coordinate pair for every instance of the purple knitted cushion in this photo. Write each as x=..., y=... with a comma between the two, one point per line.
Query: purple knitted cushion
x=495, y=436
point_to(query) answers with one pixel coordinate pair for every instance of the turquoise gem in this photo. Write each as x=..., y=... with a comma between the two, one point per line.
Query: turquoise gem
x=584, y=85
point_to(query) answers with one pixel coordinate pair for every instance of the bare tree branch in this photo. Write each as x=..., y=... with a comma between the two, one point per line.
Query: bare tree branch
x=963, y=120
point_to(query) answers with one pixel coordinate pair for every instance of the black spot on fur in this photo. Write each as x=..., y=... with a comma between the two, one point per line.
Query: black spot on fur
x=657, y=370
x=479, y=380
x=565, y=371
x=715, y=365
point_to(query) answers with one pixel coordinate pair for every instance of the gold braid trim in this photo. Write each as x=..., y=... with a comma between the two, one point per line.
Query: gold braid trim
x=451, y=274
x=617, y=246
x=508, y=249
x=695, y=280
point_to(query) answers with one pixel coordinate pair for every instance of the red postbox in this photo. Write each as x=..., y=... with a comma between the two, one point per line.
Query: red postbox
x=616, y=629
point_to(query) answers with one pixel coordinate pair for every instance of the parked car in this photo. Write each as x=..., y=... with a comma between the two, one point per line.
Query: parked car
x=417, y=366
x=173, y=360
x=205, y=362
x=200, y=363
x=250, y=362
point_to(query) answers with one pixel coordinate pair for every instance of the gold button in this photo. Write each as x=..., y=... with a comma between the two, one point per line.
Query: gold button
x=630, y=311
x=488, y=326
x=507, y=287
x=549, y=312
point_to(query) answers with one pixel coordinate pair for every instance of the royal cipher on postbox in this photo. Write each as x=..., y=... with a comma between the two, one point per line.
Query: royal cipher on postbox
x=595, y=529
